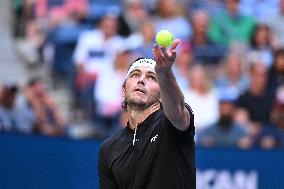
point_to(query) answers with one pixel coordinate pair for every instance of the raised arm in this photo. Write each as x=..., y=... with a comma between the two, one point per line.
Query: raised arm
x=171, y=95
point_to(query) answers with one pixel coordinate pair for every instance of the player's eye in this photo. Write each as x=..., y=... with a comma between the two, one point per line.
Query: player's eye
x=135, y=75
x=152, y=78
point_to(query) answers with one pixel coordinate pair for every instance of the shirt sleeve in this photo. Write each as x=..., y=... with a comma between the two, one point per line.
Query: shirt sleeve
x=81, y=50
x=186, y=136
x=106, y=179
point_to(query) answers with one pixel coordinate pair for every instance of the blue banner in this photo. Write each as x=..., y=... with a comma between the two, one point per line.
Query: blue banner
x=240, y=169
x=37, y=162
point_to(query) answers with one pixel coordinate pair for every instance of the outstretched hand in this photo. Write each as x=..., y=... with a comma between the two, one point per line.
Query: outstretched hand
x=165, y=58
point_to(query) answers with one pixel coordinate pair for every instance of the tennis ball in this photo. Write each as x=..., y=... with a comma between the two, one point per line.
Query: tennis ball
x=164, y=38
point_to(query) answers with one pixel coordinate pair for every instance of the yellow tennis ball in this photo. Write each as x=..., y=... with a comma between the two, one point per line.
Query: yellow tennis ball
x=164, y=38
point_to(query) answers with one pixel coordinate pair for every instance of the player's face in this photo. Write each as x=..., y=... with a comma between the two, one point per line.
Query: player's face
x=142, y=88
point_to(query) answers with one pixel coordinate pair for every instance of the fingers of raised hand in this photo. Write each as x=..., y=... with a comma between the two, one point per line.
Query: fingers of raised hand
x=162, y=55
x=157, y=54
x=172, y=50
x=174, y=44
x=173, y=56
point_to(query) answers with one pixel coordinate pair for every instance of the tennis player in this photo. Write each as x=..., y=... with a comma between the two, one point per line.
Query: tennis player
x=156, y=148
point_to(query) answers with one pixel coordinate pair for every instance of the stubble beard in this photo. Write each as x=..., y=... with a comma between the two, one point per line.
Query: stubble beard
x=140, y=104
x=136, y=104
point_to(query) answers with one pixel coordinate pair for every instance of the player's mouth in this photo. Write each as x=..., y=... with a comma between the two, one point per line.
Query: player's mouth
x=139, y=90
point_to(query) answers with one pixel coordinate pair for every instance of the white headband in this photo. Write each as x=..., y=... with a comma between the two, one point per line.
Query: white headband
x=145, y=62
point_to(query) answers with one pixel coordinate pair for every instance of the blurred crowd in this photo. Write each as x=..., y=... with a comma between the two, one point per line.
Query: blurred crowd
x=230, y=64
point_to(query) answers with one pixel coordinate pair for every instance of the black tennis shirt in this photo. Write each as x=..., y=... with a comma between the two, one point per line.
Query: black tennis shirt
x=162, y=156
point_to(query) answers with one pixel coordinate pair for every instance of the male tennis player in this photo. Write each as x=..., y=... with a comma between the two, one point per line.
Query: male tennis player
x=156, y=148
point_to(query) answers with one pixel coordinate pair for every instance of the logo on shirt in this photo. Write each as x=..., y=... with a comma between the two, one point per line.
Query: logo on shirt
x=154, y=138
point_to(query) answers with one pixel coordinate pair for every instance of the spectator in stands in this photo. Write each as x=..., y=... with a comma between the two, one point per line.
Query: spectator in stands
x=256, y=103
x=181, y=67
x=252, y=129
x=259, y=10
x=257, y=100
x=57, y=12
x=276, y=72
x=230, y=26
x=232, y=78
x=261, y=49
x=143, y=41
x=42, y=16
x=108, y=93
x=21, y=13
x=48, y=118
x=169, y=17
x=225, y=132
x=204, y=49
x=30, y=45
x=9, y=120
x=275, y=22
x=277, y=117
x=12, y=118
x=202, y=98
x=66, y=19
x=210, y=6
x=134, y=13
x=95, y=51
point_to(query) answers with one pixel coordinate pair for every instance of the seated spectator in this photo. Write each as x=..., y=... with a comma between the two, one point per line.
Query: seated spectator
x=275, y=22
x=276, y=72
x=48, y=118
x=12, y=116
x=95, y=51
x=259, y=10
x=204, y=49
x=134, y=13
x=225, y=132
x=108, y=94
x=257, y=100
x=229, y=26
x=142, y=41
x=181, y=67
x=56, y=12
x=261, y=49
x=29, y=46
x=232, y=78
x=169, y=17
x=210, y=6
x=9, y=116
x=252, y=129
x=269, y=138
x=277, y=117
x=202, y=98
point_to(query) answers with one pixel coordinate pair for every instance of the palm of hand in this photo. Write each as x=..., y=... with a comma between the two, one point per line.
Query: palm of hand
x=164, y=58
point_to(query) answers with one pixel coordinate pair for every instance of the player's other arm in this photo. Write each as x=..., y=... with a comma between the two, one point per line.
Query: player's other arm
x=106, y=179
x=171, y=95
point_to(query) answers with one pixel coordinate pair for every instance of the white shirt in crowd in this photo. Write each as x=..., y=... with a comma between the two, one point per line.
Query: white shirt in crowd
x=94, y=52
x=205, y=108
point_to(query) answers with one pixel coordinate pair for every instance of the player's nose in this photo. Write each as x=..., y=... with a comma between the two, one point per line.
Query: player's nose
x=141, y=79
